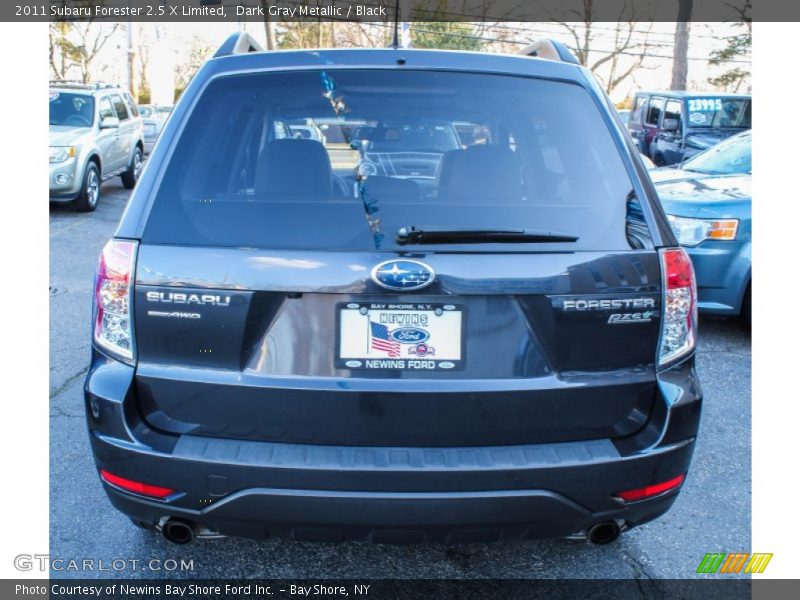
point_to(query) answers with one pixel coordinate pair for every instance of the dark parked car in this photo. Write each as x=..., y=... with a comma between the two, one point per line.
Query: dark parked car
x=285, y=348
x=708, y=203
x=671, y=127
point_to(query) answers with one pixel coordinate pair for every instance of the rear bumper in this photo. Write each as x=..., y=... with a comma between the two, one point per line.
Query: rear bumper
x=311, y=492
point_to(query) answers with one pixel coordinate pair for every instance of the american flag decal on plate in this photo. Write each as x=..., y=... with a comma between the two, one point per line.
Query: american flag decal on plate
x=381, y=341
x=400, y=336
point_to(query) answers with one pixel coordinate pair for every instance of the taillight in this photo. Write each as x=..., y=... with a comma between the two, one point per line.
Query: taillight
x=679, y=319
x=137, y=487
x=651, y=490
x=113, y=329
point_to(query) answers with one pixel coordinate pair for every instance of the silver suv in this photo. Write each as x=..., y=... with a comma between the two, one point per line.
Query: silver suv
x=95, y=134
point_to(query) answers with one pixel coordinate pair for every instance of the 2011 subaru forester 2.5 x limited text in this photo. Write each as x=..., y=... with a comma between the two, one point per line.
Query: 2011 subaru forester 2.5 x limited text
x=392, y=335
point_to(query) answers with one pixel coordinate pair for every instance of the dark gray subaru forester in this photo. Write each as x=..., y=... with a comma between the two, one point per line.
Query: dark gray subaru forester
x=393, y=295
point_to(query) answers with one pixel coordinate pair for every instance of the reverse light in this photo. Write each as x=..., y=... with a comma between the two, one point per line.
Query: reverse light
x=113, y=329
x=651, y=490
x=61, y=153
x=679, y=320
x=137, y=487
x=691, y=232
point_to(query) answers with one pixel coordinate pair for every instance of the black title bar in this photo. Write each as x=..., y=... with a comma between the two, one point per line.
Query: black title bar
x=714, y=588
x=385, y=10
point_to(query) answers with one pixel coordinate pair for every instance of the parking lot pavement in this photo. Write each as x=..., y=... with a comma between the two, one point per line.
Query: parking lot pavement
x=712, y=513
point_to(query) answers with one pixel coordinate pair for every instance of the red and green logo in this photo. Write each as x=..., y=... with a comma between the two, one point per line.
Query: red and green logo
x=734, y=562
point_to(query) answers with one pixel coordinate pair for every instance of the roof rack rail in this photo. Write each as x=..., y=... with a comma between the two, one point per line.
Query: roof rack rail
x=240, y=42
x=550, y=50
x=80, y=85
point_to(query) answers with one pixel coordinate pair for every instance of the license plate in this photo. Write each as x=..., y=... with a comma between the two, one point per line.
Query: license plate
x=418, y=337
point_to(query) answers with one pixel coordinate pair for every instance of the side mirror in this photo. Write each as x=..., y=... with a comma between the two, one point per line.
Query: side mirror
x=669, y=125
x=109, y=123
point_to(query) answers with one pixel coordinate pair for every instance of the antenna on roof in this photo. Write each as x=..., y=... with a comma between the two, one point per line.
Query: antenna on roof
x=395, y=34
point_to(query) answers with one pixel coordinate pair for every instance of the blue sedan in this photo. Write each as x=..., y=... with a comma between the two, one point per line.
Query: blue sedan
x=708, y=202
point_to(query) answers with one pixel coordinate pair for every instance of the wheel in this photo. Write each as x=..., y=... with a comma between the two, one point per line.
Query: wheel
x=658, y=160
x=747, y=308
x=131, y=176
x=90, y=191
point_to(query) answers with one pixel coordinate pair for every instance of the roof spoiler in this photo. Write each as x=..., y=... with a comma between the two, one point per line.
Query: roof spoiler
x=550, y=50
x=240, y=42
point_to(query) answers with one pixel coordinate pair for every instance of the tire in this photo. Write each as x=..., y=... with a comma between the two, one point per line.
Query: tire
x=90, y=190
x=747, y=308
x=658, y=160
x=131, y=176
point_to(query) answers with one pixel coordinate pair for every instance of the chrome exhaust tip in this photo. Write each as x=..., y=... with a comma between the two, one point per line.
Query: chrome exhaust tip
x=604, y=532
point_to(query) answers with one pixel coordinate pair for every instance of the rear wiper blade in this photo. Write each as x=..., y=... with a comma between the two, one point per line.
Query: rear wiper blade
x=412, y=235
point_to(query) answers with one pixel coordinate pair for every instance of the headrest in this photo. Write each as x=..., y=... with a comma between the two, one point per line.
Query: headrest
x=294, y=167
x=480, y=173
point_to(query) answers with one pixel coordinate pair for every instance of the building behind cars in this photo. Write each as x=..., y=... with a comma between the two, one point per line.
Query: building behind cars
x=670, y=127
x=490, y=335
x=95, y=134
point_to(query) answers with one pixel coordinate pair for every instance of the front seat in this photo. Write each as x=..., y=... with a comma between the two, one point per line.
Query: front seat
x=290, y=167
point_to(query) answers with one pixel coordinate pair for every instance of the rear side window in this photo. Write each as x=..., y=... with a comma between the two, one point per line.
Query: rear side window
x=131, y=105
x=105, y=109
x=119, y=107
x=655, y=110
x=343, y=159
x=673, y=111
x=638, y=109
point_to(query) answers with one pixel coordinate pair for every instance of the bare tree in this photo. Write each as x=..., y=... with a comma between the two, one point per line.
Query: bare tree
x=75, y=46
x=737, y=47
x=361, y=35
x=196, y=54
x=629, y=38
x=61, y=50
x=143, y=52
x=680, y=61
x=318, y=34
x=268, y=30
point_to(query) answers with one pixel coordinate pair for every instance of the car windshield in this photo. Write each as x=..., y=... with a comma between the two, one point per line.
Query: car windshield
x=71, y=110
x=242, y=174
x=732, y=156
x=719, y=112
x=412, y=138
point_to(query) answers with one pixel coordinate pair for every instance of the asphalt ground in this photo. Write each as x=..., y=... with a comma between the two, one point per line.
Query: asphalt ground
x=712, y=514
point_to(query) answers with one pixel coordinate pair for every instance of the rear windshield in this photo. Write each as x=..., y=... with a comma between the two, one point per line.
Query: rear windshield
x=343, y=159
